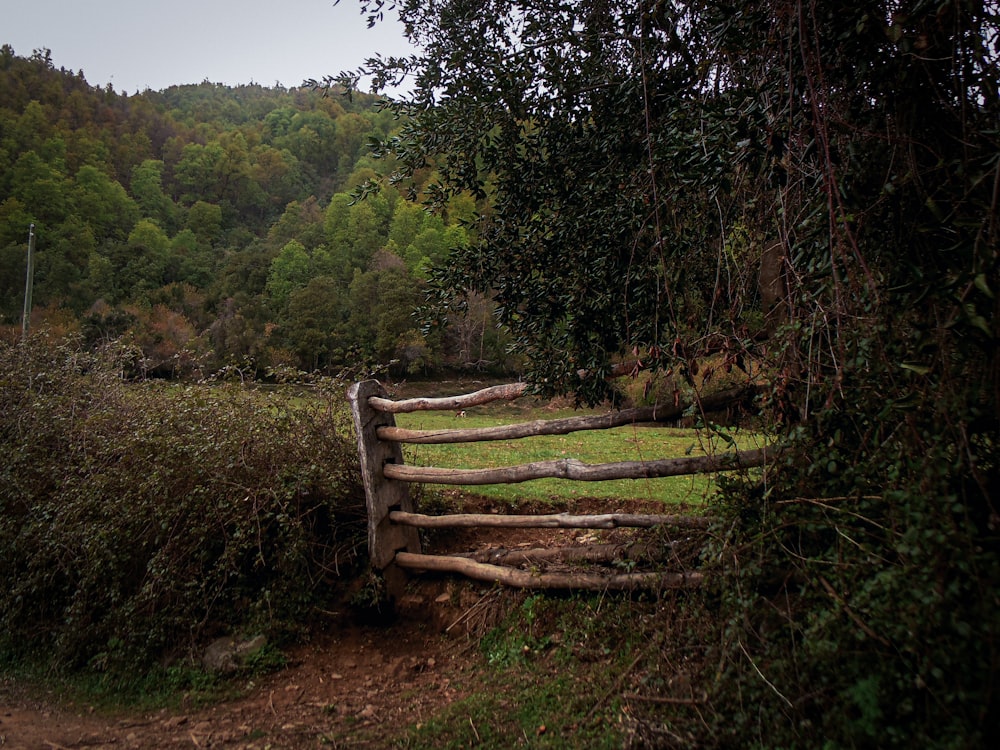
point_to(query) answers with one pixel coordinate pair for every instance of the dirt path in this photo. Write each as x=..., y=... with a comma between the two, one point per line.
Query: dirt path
x=353, y=686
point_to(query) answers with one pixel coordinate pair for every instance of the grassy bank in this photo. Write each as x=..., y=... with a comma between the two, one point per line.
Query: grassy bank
x=553, y=671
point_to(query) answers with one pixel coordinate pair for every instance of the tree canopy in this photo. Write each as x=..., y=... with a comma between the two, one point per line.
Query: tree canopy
x=239, y=196
x=640, y=158
x=803, y=191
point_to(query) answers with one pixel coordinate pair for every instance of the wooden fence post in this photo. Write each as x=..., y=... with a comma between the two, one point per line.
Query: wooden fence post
x=383, y=495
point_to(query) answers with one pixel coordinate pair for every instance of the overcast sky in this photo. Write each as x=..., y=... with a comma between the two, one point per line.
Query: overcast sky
x=139, y=44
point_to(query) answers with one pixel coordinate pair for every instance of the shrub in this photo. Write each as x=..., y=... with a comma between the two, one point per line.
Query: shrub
x=139, y=520
x=867, y=613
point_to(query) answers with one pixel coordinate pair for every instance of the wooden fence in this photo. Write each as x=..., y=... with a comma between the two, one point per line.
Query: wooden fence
x=393, y=523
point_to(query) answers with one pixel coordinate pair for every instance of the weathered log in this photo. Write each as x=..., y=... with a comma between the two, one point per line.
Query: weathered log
x=571, y=468
x=383, y=494
x=595, y=553
x=666, y=700
x=508, y=391
x=527, y=579
x=773, y=285
x=645, y=414
x=550, y=521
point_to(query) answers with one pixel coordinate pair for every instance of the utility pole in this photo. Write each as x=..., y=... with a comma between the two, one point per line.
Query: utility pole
x=26, y=317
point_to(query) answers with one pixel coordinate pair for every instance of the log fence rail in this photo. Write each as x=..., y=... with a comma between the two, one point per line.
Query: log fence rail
x=393, y=523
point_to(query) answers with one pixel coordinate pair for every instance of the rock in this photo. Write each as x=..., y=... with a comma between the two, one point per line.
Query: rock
x=396, y=667
x=251, y=647
x=220, y=656
x=411, y=602
x=227, y=654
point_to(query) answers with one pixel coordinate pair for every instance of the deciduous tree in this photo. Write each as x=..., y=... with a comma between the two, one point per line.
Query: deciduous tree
x=290, y=271
x=643, y=159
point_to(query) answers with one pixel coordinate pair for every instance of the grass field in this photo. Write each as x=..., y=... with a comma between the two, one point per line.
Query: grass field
x=630, y=443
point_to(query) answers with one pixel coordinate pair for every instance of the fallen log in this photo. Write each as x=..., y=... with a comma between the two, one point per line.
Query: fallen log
x=550, y=521
x=571, y=468
x=527, y=579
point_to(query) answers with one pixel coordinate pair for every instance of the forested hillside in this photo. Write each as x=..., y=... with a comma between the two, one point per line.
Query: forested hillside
x=213, y=226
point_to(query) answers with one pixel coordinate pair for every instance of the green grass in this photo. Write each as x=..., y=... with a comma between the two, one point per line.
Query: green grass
x=535, y=709
x=184, y=684
x=630, y=443
x=548, y=666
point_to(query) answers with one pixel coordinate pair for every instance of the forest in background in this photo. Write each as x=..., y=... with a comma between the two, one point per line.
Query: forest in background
x=213, y=226
x=643, y=162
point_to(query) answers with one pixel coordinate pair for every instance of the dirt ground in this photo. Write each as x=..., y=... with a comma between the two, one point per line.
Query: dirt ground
x=353, y=686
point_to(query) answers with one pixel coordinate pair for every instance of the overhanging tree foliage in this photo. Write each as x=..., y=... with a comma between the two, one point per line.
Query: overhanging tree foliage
x=813, y=188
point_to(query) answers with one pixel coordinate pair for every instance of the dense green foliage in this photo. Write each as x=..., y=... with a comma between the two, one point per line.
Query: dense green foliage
x=212, y=225
x=139, y=521
x=812, y=188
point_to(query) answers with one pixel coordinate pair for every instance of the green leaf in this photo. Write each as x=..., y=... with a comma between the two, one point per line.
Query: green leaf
x=981, y=285
x=981, y=323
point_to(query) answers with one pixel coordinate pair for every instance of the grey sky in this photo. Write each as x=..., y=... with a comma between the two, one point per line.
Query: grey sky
x=135, y=44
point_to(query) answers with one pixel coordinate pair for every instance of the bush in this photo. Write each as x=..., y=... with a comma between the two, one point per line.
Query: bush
x=139, y=520
x=866, y=613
